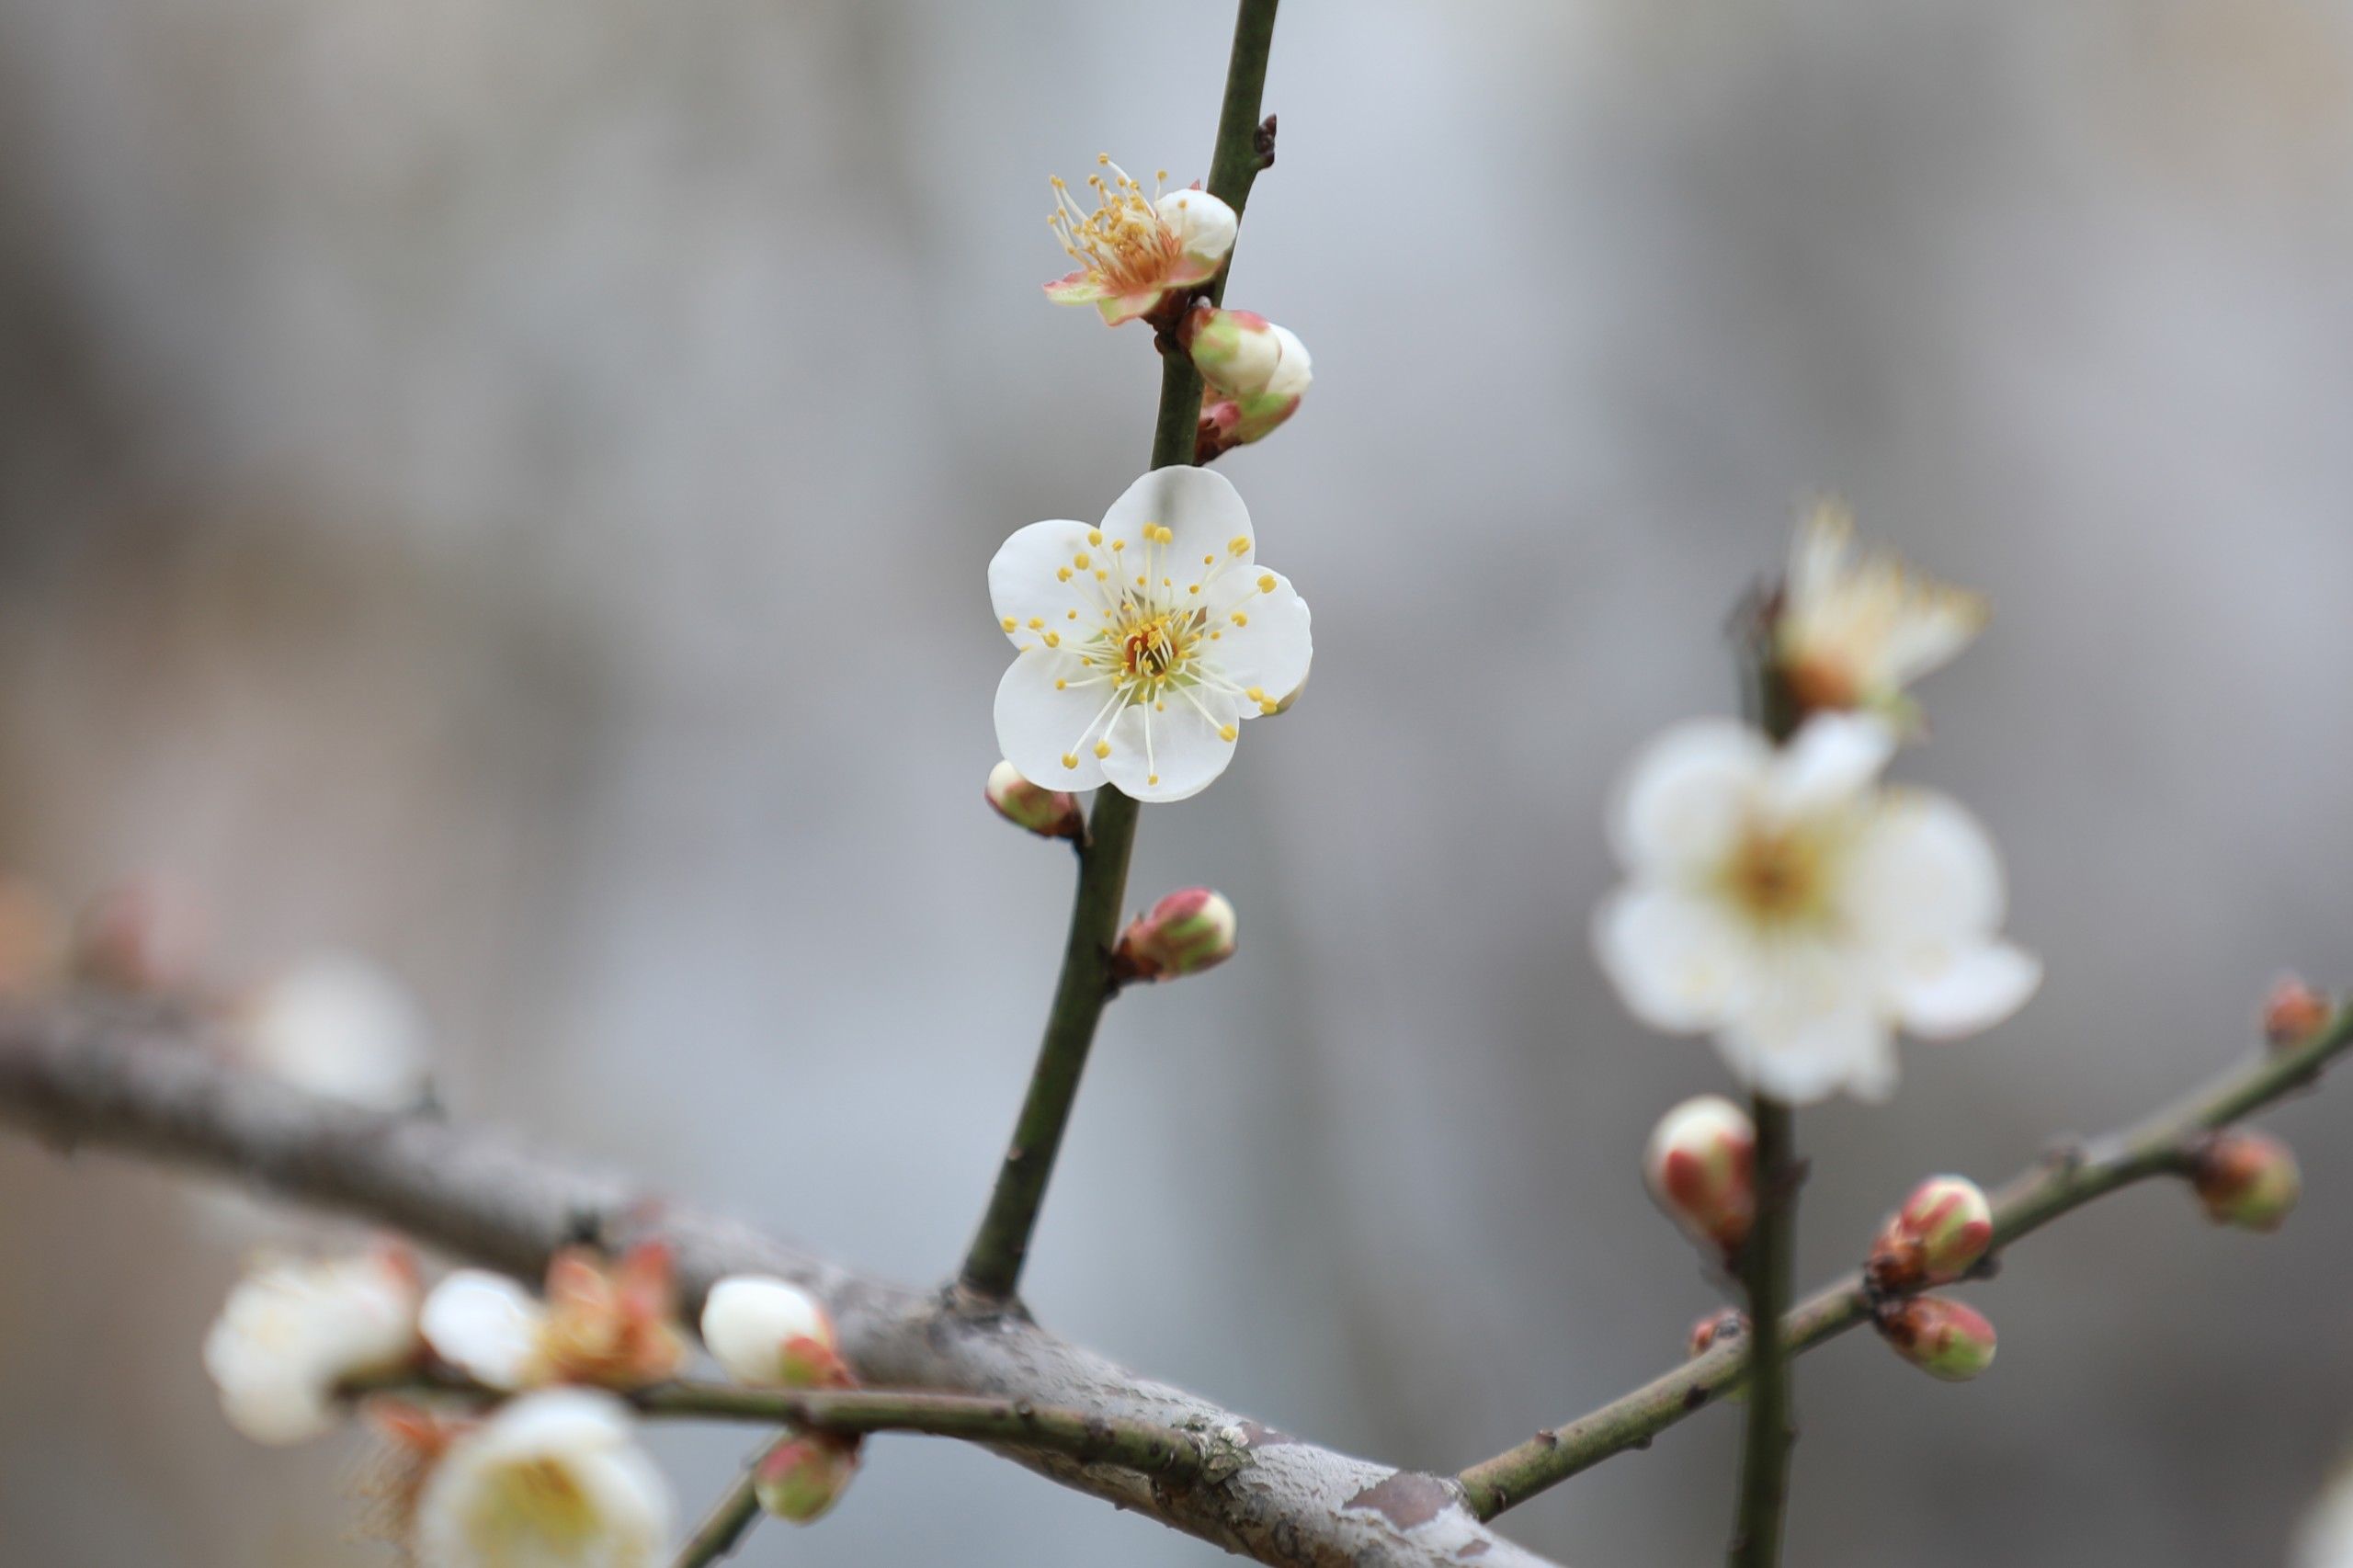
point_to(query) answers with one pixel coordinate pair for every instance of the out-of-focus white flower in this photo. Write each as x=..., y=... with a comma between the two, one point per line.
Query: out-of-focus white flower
x=2325, y=1538
x=769, y=1331
x=340, y=1027
x=1855, y=630
x=291, y=1331
x=1133, y=250
x=610, y=1323
x=1145, y=641
x=1783, y=902
x=553, y=1480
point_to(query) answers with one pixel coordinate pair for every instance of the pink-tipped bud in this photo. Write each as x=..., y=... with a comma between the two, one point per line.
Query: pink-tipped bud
x=1936, y=1238
x=2247, y=1179
x=1940, y=1336
x=1049, y=814
x=1700, y=1167
x=1253, y=375
x=2293, y=1012
x=802, y=1477
x=1186, y=933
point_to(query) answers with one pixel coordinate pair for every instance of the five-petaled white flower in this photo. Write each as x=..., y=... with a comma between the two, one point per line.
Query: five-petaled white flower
x=1132, y=250
x=1784, y=902
x=1145, y=641
x=553, y=1480
x=291, y=1331
x=1853, y=631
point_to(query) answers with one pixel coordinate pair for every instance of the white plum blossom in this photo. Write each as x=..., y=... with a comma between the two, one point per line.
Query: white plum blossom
x=487, y=1326
x=291, y=1331
x=1133, y=250
x=1785, y=903
x=553, y=1480
x=1145, y=641
x=340, y=1027
x=1854, y=631
x=750, y=1321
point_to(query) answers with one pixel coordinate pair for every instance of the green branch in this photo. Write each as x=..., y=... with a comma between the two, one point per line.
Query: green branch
x=992, y=1268
x=2159, y=1146
x=1766, y=1269
x=730, y=1520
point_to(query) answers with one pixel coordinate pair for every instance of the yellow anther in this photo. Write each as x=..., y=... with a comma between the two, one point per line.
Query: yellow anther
x=1060, y=684
x=1095, y=535
x=1208, y=560
x=1256, y=694
x=1101, y=575
x=1053, y=639
x=1269, y=707
x=1081, y=562
x=1036, y=624
x=1102, y=748
x=1217, y=636
x=1119, y=544
x=1239, y=544
x=1062, y=574
x=1226, y=733
x=1194, y=589
x=1152, y=778
x=1011, y=624
x=1168, y=582
x=1070, y=760
x=1267, y=584
x=1240, y=618
x=1159, y=706
x=1069, y=615
x=1139, y=582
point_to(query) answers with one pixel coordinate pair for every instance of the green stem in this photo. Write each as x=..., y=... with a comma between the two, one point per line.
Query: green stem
x=992, y=1268
x=730, y=1520
x=1766, y=1269
x=2159, y=1146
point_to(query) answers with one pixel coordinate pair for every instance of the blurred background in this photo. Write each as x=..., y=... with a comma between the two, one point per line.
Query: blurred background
x=504, y=487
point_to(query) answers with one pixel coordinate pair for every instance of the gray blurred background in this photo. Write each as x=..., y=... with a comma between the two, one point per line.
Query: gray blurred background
x=505, y=485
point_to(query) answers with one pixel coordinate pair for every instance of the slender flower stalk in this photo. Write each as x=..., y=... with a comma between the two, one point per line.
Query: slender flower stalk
x=991, y=1269
x=1766, y=1269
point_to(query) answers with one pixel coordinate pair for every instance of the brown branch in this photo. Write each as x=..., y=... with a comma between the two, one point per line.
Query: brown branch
x=2160, y=1146
x=81, y=1074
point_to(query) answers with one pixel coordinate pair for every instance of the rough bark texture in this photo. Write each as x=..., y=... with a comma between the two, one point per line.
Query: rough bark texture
x=84, y=1074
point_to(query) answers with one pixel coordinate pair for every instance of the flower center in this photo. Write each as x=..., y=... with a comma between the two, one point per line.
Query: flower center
x=1781, y=875
x=536, y=1500
x=1122, y=242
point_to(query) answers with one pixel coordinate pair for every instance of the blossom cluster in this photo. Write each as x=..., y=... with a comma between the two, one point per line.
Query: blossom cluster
x=553, y=1472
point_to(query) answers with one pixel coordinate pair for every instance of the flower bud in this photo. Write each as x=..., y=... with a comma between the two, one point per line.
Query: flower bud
x=771, y=1332
x=1700, y=1168
x=1938, y=1336
x=1049, y=814
x=1186, y=933
x=2293, y=1012
x=802, y=1477
x=1936, y=1238
x=1253, y=373
x=2247, y=1179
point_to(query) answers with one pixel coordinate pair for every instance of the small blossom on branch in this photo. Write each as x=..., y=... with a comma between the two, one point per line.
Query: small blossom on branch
x=552, y=1477
x=1852, y=631
x=1783, y=902
x=291, y=1333
x=2293, y=1012
x=1936, y=1238
x=1700, y=1167
x=1133, y=250
x=801, y=1478
x=1190, y=930
x=613, y=1324
x=1049, y=814
x=1145, y=641
x=1253, y=375
x=771, y=1333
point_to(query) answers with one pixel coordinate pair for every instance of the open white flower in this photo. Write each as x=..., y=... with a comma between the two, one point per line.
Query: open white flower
x=1145, y=641
x=340, y=1027
x=1784, y=902
x=1132, y=250
x=553, y=1480
x=291, y=1331
x=1854, y=632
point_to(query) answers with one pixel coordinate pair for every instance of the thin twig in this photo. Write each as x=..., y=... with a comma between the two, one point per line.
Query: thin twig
x=2159, y=1146
x=992, y=1268
x=1766, y=1269
x=730, y=1520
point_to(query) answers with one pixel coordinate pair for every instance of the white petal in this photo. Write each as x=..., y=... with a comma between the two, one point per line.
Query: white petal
x=1294, y=371
x=552, y=1479
x=1200, y=506
x=1808, y=1026
x=1973, y=988
x=1187, y=751
x=1204, y=225
x=1272, y=645
x=1923, y=875
x=1818, y=555
x=1935, y=625
x=1682, y=800
x=1831, y=759
x=1023, y=584
x=747, y=1319
x=1038, y=725
x=1676, y=959
x=485, y=1324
